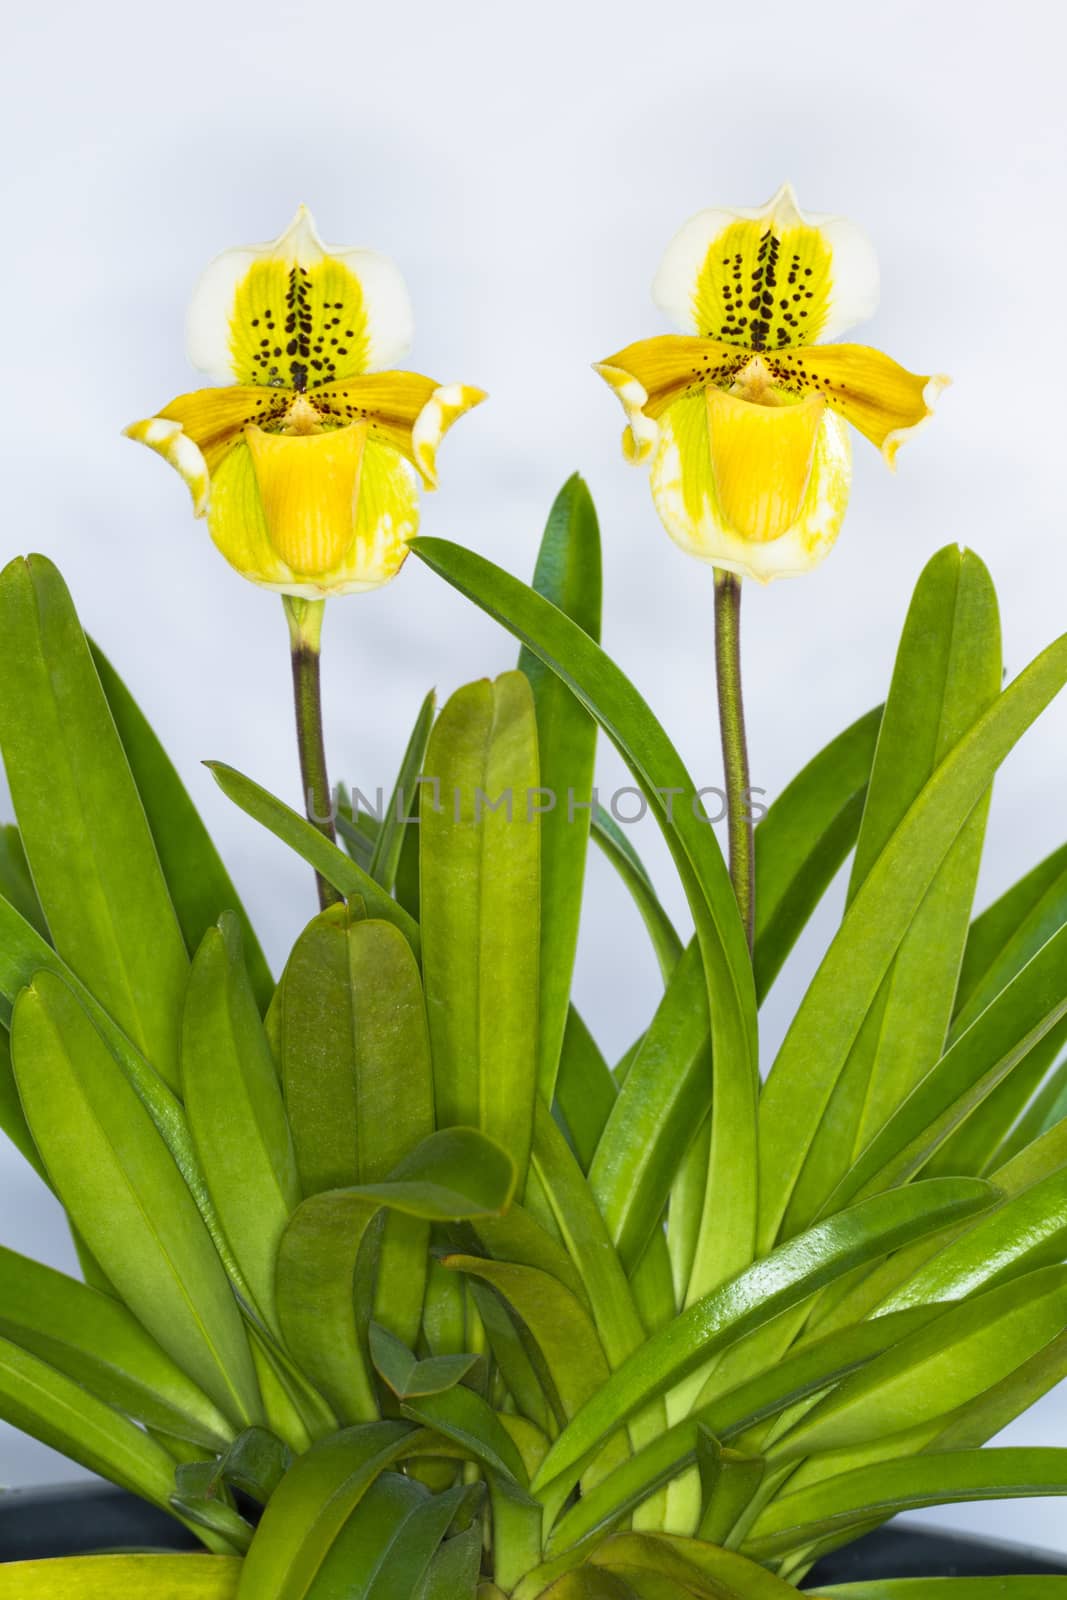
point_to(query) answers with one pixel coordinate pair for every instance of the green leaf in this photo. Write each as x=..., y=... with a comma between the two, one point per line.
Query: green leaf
x=996, y=1041
x=702, y=1570
x=311, y=1506
x=728, y=1481
x=585, y=1089
x=235, y=1111
x=882, y=1490
x=200, y=887
x=1025, y=1587
x=97, y=1342
x=974, y=1147
x=12, y=1117
x=609, y=696
x=832, y=1013
x=406, y=1375
x=996, y=928
x=631, y=869
x=947, y=673
x=300, y=835
x=23, y=955
x=1024, y=1231
x=567, y=574
x=49, y=1406
x=1048, y=1107
x=354, y=1051
x=480, y=887
x=124, y=1194
x=661, y=1106
x=556, y=1320
x=968, y=1349
x=452, y=1175
x=93, y=859
x=803, y=840
x=770, y=1286
x=156, y=1577
x=453, y=1573
x=801, y=1374
x=16, y=882
x=402, y=1567
x=460, y=1415
x=385, y=855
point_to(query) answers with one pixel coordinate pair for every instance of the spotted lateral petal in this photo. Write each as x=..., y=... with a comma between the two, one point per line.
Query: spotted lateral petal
x=652, y=374
x=402, y=409
x=297, y=313
x=882, y=400
x=768, y=278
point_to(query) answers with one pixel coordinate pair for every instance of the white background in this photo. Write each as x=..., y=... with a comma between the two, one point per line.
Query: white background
x=526, y=166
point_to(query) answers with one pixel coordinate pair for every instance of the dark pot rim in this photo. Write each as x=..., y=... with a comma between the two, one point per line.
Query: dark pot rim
x=76, y=1519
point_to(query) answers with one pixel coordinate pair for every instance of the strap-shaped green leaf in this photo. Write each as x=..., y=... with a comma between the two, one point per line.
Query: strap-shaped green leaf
x=83, y=826
x=1046, y=1109
x=626, y=719
x=568, y=574
x=585, y=1089
x=803, y=840
x=480, y=893
x=798, y=1519
x=1024, y=1231
x=406, y=1565
x=348, y=878
x=16, y=881
x=235, y=1111
x=12, y=1117
x=557, y=1322
x=354, y=1050
x=631, y=869
x=97, y=1342
x=453, y=1573
x=402, y=807
x=186, y=1577
x=665, y=1458
x=23, y=955
x=1028, y=1586
x=981, y=1057
x=996, y=929
x=377, y=1528
x=464, y=1418
x=49, y=1406
x=124, y=1194
x=825, y=1027
x=947, y=673
x=200, y=887
x=322, y=1302
x=938, y=1368
x=662, y=1567
x=310, y=1507
x=782, y=1279
x=664, y=1100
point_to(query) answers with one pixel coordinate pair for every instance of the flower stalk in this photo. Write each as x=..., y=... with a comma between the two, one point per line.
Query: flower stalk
x=734, y=745
x=305, y=635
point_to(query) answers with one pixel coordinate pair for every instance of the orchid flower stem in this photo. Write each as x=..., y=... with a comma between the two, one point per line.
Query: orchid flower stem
x=734, y=746
x=305, y=634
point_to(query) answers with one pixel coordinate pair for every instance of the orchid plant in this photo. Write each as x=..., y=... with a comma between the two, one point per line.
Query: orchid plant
x=392, y=1285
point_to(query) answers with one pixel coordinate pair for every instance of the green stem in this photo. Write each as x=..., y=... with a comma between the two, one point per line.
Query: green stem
x=734, y=747
x=305, y=634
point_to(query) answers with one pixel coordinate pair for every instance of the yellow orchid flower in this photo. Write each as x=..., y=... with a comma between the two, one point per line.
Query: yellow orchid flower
x=306, y=464
x=743, y=415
